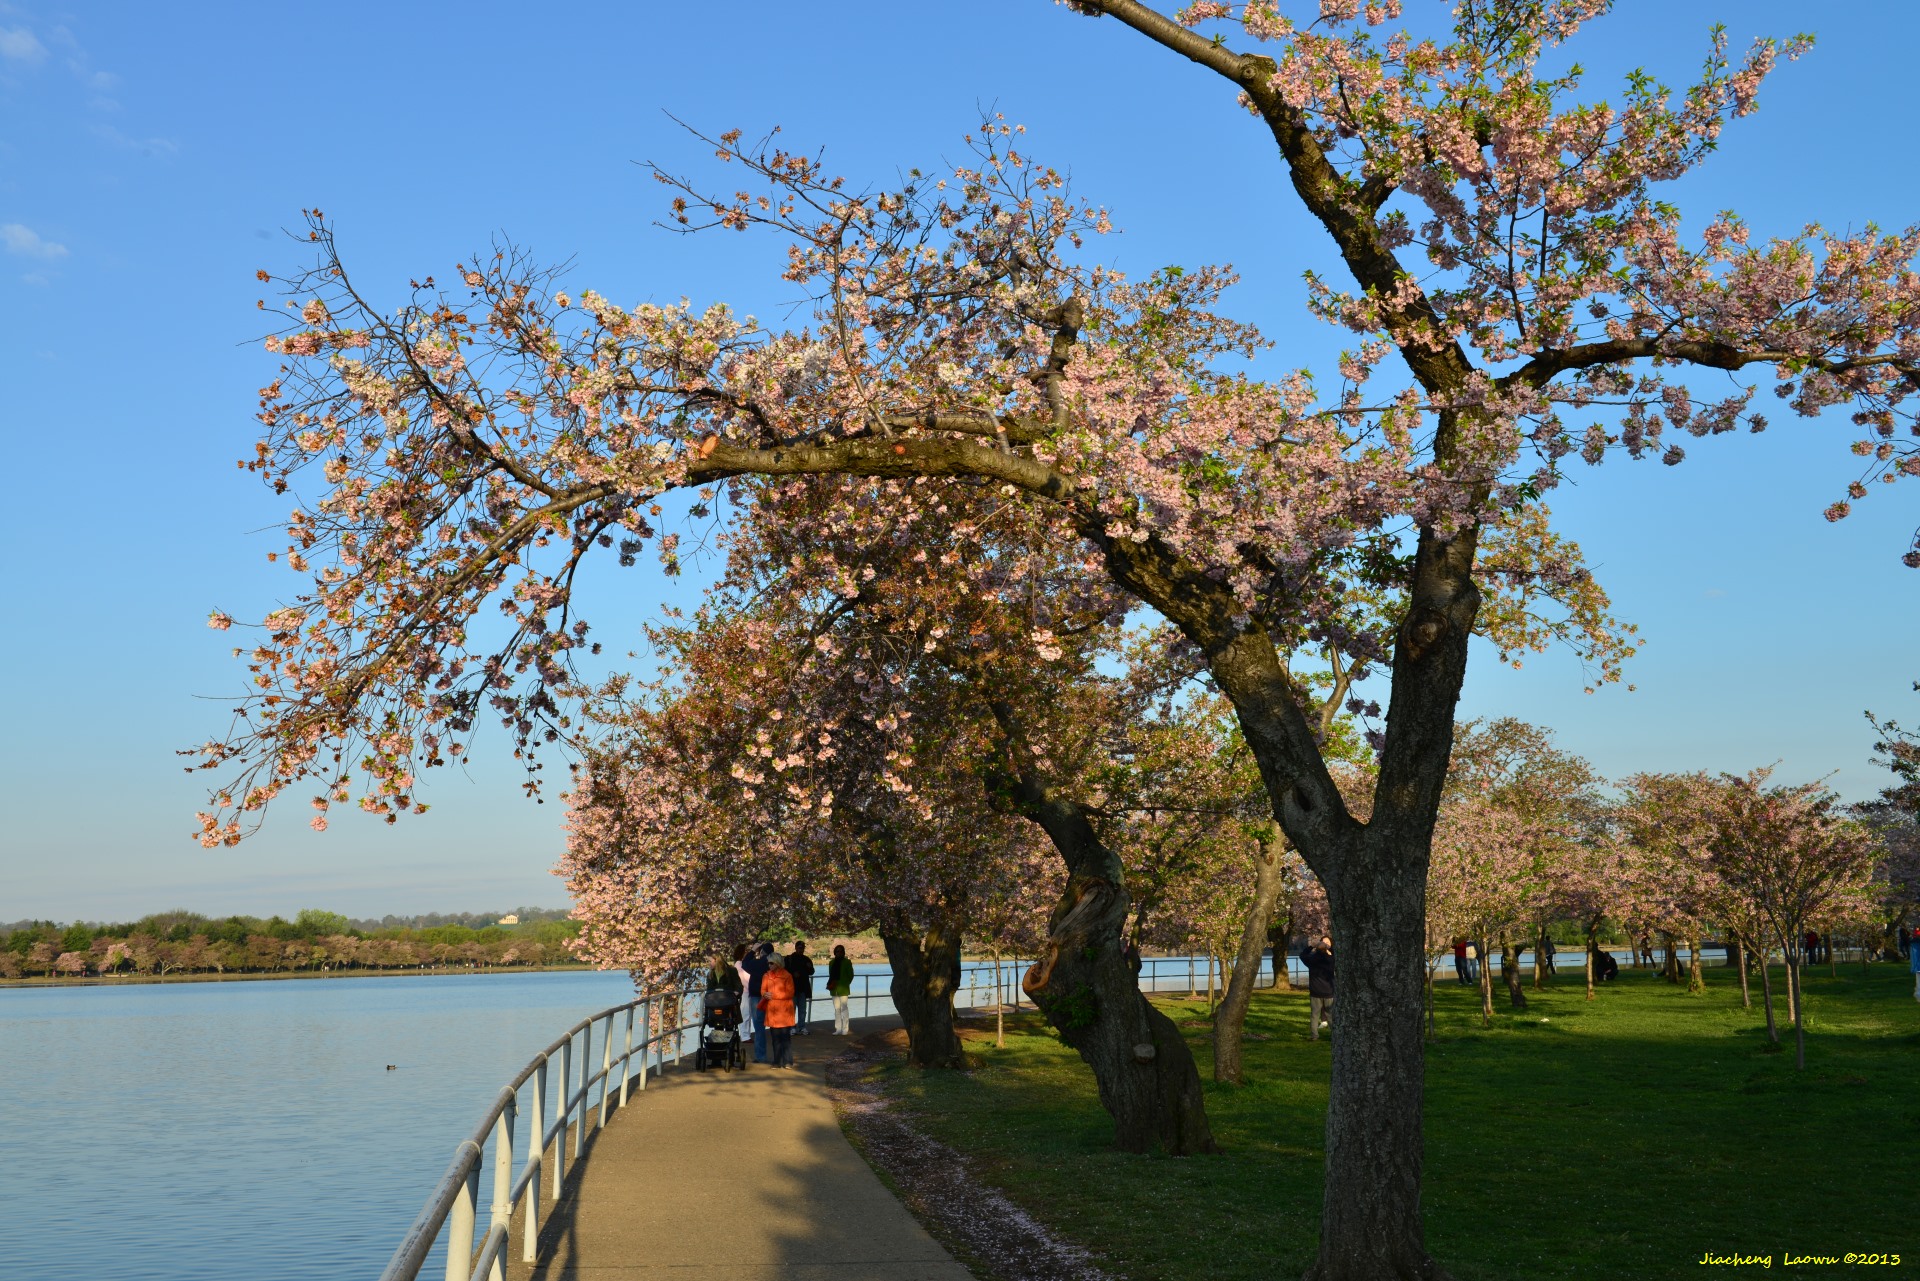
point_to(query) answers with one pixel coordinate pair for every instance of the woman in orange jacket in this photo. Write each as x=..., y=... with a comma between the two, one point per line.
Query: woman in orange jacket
x=777, y=1008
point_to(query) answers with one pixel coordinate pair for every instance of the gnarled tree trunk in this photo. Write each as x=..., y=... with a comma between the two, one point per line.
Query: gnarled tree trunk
x=926, y=975
x=1229, y=1021
x=1696, y=981
x=1510, y=971
x=1084, y=985
x=1279, y=936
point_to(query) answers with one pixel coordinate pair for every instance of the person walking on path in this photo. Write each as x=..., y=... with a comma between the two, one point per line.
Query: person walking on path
x=749, y=1018
x=840, y=987
x=722, y=976
x=1460, y=975
x=1546, y=953
x=755, y=967
x=776, y=1006
x=801, y=966
x=1319, y=963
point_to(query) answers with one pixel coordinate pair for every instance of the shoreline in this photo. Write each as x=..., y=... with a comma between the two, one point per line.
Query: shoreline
x=126, y=980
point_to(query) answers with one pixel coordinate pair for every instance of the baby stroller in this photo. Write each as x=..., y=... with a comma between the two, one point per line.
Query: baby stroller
x=720, y=1032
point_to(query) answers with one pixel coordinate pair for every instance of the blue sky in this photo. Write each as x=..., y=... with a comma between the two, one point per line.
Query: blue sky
x=151, y=154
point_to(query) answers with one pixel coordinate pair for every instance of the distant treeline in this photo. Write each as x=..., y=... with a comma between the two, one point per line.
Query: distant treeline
x=181, y=942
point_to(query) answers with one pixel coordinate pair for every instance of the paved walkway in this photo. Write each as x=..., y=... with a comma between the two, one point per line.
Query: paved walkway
x=744, y=1176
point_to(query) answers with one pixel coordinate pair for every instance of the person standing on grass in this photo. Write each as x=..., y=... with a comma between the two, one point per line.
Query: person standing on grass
x=800, y=965
x=1473, y=964
x=1913, y=960
x=776, y=1008
x=755, y=967
x=1319, y=963
x=1546, y=953
x=1460, y=960
x=840, y=987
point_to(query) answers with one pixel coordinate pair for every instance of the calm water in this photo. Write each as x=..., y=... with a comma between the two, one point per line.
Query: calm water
x=247, y=1130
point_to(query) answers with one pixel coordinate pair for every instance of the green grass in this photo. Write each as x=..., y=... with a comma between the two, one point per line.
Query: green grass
x=1621, y=1138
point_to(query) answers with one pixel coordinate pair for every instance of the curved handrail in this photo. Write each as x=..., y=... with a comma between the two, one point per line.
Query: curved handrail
x=452, y=1205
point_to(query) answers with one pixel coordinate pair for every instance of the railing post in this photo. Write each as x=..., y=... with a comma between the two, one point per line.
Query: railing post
x=586, y=1076
x=679, y=1024
x=460, y=1221
x=502, y=1209
x=646, y=1036
x=563, y=1109
x=536, y=1152
x=626, y=1060
x=606, y=1068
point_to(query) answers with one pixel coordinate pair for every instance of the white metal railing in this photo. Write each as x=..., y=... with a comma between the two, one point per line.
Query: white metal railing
x=555, y=1103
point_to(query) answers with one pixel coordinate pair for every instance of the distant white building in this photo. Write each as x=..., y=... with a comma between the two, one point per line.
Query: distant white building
x=511, y=918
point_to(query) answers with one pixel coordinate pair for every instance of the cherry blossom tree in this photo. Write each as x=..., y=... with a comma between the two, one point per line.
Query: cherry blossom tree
x=1505, y=262
x=1788, y=852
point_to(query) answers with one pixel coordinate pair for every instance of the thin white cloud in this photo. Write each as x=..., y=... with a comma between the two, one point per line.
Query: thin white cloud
x=155, y=147
x=26, y=242
x=17, y=44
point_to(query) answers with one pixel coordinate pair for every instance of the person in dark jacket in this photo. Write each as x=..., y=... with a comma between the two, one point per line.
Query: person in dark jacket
x=723, y=976
x=1319, y=963
x=840, y=988
x=1605, y=968
x=800, y=965
x=756, y=967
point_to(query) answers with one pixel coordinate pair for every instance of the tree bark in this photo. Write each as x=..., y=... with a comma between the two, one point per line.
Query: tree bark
x=1086, y=987
x=1766, y=995
x=1735, y=949
x=1279, y=936
x=1799, y=1012
x=1510, y=971
x=1370, y=1218
x=1696, y=981
x=926, y=974
x=1670, y=959
x=1229, y=1021
x=1483, y=957
x=1540, y=959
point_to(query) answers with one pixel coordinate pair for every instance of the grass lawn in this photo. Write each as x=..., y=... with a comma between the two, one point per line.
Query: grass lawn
x=1622, y=1138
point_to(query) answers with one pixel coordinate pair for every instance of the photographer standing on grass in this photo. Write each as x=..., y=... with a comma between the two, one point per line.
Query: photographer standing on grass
x=1319, y=963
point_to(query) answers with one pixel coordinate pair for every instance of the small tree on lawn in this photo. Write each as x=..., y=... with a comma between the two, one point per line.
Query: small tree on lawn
x=1787, y=851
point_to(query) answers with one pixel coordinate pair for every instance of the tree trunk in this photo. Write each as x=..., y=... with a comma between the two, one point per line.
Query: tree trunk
x=1766, y=996
x=926, y=974
x=1148, y=1080
x=1430, y=968
x=1833, y=966
x=1593, y=950
x=1085, y=984
x=1484, y=959
x=1696, y=981
x=1540, y=959
x=1736, y=949
x=1229, y=1021
x=1279, y=935
x=1670, y=960
x=1510, y=970
x=1370, y=1226
x=1799, y=1013
x=999, y=1005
